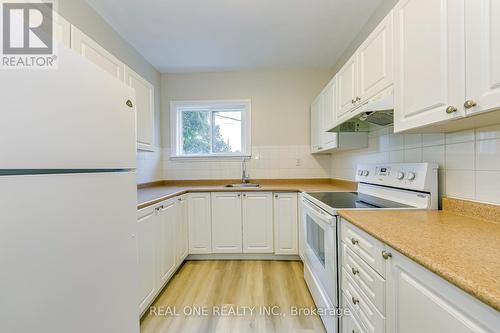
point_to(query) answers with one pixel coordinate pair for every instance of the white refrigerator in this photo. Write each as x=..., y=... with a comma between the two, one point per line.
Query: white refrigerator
x=68, y=260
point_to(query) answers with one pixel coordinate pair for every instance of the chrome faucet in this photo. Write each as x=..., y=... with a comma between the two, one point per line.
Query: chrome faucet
x=245, y=177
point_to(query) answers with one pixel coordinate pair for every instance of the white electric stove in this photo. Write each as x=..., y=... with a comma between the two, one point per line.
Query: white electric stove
x=380, y=186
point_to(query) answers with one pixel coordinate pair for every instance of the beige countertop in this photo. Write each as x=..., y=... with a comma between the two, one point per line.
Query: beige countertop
x=157, y=192
x=462, y=249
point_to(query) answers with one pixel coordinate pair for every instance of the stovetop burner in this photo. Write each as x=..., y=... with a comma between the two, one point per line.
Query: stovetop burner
x=348, y=200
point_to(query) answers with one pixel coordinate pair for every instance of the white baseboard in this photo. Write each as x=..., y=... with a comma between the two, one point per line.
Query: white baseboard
x=241, y=256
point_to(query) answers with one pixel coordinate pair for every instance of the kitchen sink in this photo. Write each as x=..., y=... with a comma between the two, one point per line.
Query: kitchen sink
x=243, y=185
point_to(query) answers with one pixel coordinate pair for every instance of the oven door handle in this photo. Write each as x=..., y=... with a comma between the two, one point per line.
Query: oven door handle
x=329, y=219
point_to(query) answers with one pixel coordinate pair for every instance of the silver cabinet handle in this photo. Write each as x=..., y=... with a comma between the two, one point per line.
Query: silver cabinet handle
x=355, y=271
x=239, y=195
x=353, y=101
x=470, y=104
x=354, y=241
x=386, y=255
x=358, y=99
x=129, y=103
x=451, y=109
x=244, y=195
x=355, y=300
x=276, y=196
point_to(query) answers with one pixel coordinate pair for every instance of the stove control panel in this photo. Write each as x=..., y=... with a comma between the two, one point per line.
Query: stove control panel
x=412, y=176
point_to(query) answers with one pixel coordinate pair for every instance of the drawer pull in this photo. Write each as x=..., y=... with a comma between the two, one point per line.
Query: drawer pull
x=355, y=300
x=354, y=241
x=355, y=271
x=386, y=255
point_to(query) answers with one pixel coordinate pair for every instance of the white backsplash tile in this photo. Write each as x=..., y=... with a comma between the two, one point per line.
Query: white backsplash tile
x=488, y=155
x=460, y=184
x=460, y=156
x=487, y=186
x=469, y=161
x=457, y=137
x=432, y=139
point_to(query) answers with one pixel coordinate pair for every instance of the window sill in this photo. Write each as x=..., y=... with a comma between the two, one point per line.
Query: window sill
x=205, y=158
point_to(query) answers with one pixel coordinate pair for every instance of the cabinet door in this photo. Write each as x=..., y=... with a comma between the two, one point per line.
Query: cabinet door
x=146, y=249
x=420, y=301
x=285, y=223
x=182, y=230
x=429, y=62
x=347, y=90
x=315, y=124
x=258, y=223
x=144, y=108
x=328, y=114
x=166, y=233
x=88, y=48
x=200, y=223
x=226, y=222
x=483, y=54
x=376, y=65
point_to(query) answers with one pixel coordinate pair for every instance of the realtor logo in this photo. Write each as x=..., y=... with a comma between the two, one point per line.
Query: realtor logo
x=27, y=34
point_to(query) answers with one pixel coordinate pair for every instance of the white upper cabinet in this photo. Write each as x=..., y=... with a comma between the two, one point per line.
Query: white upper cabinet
x=347, y=89
x=286, y=240
x=200, y=223
x=62, y=30
x=483, y=55
x=88, y=48
x=328, y=112
x=316, y=107
x=226, y=222
x=375, y=60
x=258, y=222
x=429, y=59
x=144, y=106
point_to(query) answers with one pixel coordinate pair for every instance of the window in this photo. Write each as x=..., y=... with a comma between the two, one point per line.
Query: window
x=210, y=128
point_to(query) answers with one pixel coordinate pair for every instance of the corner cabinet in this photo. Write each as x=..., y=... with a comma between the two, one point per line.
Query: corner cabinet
x=144, y=107
x=286, y=239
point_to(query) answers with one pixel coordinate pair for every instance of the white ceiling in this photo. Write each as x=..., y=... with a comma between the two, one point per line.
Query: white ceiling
x=206, y=35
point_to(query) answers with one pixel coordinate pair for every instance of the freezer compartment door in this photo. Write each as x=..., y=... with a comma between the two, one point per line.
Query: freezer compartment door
x=72, y=117
x=68, y=255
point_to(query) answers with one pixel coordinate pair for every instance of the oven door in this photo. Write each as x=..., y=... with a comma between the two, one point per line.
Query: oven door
x=320, y=251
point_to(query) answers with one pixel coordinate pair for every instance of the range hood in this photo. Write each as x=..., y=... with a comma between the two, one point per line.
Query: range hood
x=378, y=110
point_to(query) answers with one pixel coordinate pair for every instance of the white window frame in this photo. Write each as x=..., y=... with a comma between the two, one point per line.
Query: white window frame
x=176, y=127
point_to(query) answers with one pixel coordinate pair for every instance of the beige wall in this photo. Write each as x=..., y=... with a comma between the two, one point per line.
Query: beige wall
x=280, y=100
x=81, y=15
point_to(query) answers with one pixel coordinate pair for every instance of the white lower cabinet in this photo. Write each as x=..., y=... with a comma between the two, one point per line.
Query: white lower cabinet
x=182, y=229
x=286, y=240
x=258, y=222
x=146, y=245
x=166, y=233
x=226, y=222
x=161, y=246
x=420, y=301
x=410, y=299
x=200, y=223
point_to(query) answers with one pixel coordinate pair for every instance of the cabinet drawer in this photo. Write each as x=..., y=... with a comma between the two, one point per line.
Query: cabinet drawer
x=365, y=246
x=370, y=283
x=351, y=324
x=369, y=316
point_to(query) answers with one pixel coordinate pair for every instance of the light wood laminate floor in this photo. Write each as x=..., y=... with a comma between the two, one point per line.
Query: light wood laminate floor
x=218, y=286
